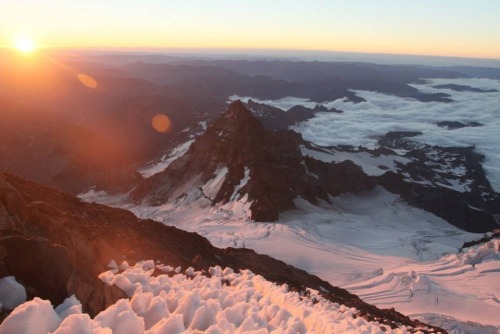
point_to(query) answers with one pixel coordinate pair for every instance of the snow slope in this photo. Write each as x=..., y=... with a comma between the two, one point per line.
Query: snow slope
x=373, y=244
x=165, y=161
x=463, y=284
x=220, y=302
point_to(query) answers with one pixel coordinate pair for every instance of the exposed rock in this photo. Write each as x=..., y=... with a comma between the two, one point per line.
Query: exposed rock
x=447, y=181
x=464, y=88
x=445, y=203
x=488, y=237
x=452, y=125
x=339, y=178
x=276, y=119
x=397, y=139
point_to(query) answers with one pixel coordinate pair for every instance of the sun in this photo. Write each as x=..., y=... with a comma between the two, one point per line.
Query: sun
x=24, y=44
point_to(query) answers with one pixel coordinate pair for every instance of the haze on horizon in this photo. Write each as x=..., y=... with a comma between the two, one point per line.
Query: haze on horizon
x=455, y=28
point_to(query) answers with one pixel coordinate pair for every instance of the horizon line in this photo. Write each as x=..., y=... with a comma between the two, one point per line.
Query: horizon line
x=160, y=49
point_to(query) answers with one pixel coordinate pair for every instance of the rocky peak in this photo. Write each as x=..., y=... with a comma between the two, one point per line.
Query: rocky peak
x=238, y=158
x=238, y=111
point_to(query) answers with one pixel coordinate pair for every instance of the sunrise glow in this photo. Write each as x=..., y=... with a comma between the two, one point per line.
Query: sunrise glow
x=24, y=44
x=445, y=28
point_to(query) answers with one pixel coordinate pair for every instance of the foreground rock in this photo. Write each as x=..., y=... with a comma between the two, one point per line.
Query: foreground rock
x=57, y=245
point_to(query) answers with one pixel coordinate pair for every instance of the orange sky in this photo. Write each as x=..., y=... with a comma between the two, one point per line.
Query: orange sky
x=445, y=27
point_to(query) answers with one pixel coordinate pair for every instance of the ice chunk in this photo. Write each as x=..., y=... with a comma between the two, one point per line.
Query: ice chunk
x=203, y=318
x=112, y=265
x=70, y=306
x=121, y=319
x=172, y=325
x=34, y=317
x=81, y=324
x=152, y=309
x=12, y=294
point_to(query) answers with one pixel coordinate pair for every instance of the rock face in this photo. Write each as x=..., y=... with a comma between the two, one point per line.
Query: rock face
x=276, y=119
x=464, y=88
x=447, y=181
x=238, y=156
x=56, y=245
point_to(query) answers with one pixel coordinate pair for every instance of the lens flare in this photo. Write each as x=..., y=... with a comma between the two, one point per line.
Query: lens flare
x=161, y=123
x=87, y=80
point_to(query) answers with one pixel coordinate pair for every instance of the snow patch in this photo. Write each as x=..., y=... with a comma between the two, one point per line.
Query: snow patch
x=243, y=182
x=212, y=187
x=166, y=160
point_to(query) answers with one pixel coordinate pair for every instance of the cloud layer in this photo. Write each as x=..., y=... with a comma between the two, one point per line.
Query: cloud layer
x=363, y=122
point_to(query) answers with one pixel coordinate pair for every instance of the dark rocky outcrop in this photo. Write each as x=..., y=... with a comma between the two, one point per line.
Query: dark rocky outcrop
x=452, y=125
x=447, y=181
x=495, y=234
x=464, y=88
x=452, y=206
x=276, y=119
x=56, y=245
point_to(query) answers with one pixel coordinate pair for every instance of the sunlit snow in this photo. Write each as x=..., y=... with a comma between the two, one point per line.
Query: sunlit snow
x=220, y=302
x=165, y=161
x=354, y=239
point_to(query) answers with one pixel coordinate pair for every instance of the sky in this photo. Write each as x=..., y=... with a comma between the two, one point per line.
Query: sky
x=463, y=28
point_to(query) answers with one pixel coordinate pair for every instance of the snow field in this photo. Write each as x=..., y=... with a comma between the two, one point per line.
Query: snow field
x=462, y=285
x=190, y=302
x=372, y=244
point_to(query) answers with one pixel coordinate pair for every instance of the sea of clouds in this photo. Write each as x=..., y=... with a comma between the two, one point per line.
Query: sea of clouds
x=361, y=123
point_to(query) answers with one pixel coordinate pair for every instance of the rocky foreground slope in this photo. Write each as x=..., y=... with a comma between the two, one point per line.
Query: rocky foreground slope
x=57, y=245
